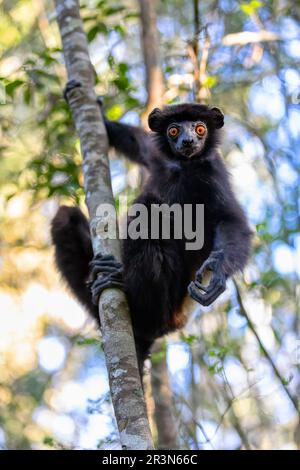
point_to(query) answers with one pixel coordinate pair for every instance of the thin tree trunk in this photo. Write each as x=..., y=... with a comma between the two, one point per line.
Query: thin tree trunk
x=163, y=400
x=200, y=90
x=118, y=341
x=195, y=48
x=150, y=43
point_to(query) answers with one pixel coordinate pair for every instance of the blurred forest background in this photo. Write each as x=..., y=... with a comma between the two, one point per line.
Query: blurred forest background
x=234, y=370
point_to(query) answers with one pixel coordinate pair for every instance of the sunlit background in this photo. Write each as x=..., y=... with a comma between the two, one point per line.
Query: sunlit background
x=235, y=368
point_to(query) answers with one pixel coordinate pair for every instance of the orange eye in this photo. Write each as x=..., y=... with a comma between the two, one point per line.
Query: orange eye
x=173, y=132
x=200, y=130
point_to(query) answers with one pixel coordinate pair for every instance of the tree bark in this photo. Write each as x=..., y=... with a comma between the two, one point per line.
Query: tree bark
x=200, y=90
x=163, y=399
x=118, y=341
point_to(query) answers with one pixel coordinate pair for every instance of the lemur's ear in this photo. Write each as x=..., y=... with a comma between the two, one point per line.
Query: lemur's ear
x=154, y=119
x=217, y=117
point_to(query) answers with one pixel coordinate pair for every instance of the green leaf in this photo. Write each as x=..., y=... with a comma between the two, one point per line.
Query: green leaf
x=113, y=10
x=212, y=354
x=27, y=95
x=287, y=381
x=49, y=441
x=121, y=30
x=11, y=87
x=189, y=339
x=87, y=342
x=157, y=357
x=93, y=32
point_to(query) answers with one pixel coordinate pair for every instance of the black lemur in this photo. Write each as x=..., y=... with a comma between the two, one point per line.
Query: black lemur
x=185, y=167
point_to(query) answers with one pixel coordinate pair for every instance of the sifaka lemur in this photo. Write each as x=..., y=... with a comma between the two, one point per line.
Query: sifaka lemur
x=185, y=167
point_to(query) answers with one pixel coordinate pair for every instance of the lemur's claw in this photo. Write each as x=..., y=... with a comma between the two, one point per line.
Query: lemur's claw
x=69, y=86
x=211, y=292
x=106, y=272
x=207, y=294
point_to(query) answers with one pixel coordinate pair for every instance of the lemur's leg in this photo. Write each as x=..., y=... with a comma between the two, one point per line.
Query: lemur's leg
x=230, y=253
x=106, y=272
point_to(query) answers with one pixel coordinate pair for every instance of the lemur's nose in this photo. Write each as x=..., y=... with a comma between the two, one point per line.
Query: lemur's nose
x=187, y=142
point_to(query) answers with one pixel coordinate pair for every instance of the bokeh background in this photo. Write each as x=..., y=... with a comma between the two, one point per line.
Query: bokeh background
x=235, y=368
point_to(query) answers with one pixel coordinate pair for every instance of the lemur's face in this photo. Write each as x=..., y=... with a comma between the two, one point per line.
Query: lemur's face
x=186, y=131
x=187, y=138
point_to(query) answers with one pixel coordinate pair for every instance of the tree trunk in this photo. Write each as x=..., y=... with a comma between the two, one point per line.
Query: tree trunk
x=118, y=341
x=150, y=43
x=200, y=90
x=163, y=400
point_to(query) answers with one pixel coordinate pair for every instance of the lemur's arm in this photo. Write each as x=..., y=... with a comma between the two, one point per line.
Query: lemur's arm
x=133, y=142
x=230, y=253
x=231, y=247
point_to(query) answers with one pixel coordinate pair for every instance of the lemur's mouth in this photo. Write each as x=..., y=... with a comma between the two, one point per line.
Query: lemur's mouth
x=187, y=151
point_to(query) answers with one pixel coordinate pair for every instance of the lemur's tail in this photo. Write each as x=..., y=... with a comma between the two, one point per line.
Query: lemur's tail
x=73, y=252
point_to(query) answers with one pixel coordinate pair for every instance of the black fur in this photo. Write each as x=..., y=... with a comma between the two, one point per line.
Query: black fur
x=158, y=273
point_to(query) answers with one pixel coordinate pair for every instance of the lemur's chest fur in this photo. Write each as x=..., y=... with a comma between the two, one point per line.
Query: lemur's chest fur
x=177, y=184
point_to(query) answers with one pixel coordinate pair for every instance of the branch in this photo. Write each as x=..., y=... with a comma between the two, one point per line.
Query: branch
x=249, y=37
x=118, y=341
x=251, y=326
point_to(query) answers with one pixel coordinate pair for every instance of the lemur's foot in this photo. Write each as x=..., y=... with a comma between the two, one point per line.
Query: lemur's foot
x=207, y=294
x=105, y=272
x=69, y=86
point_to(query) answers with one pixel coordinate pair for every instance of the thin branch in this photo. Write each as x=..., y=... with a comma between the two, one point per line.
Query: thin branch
x=249, y=37
x=251, y=326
